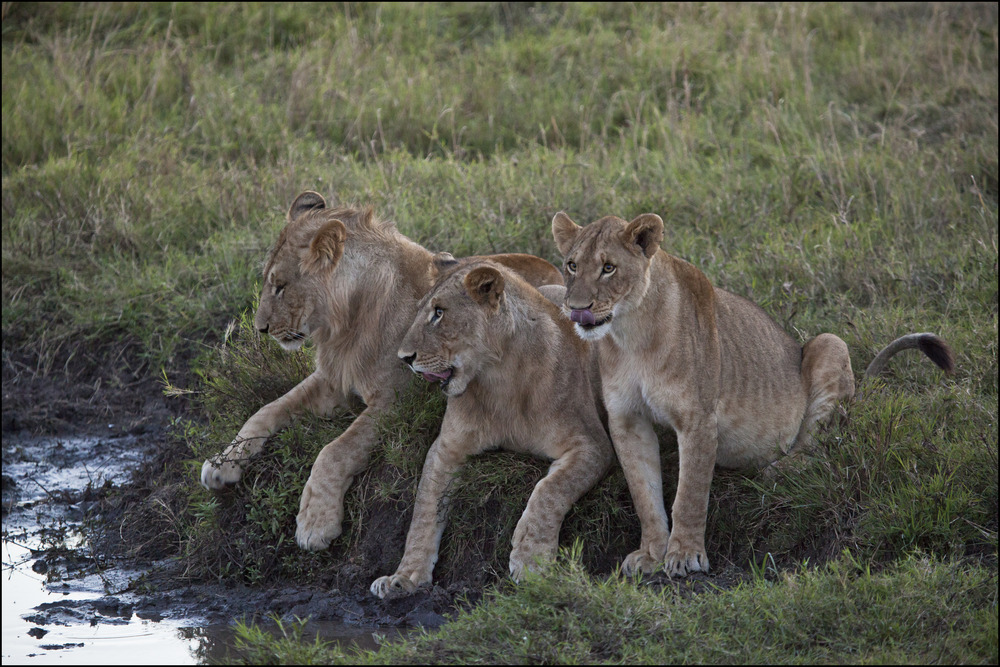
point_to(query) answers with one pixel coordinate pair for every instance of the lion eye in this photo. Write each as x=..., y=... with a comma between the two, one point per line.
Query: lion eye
x=608, y=269
x=438, y=313
x=571, y=267
x=278, y=289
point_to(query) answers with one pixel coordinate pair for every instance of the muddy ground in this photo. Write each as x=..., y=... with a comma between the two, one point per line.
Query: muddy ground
x=110, y=401
x=107, y=403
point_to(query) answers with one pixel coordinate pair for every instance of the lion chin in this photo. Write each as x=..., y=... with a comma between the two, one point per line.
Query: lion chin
x=592, y=332
x=452, y=380
x=587, y=326
x=291, y=344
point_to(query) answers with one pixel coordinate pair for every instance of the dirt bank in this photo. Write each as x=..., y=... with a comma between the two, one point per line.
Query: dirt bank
x=104, y=413
x=82, y=449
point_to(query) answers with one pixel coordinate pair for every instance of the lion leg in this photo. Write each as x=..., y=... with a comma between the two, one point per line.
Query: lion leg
x=313, y=393
x=430, y=512
x=829, y=379
x=638, y=450
x=536, y=537
x=697, y=445
x=321, y=508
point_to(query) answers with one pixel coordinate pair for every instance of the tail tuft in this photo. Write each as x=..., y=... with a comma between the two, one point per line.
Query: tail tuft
x=938, y=352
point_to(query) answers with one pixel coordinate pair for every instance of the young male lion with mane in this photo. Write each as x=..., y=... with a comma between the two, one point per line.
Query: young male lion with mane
x=716, y=368
x=516, y=377
x=351, y=282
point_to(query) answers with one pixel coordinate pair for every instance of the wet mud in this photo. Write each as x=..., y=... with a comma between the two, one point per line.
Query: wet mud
x=69, y=455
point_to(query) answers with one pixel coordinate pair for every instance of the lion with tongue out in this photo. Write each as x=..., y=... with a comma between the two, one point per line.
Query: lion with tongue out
x=677, y=351
x=518, y=377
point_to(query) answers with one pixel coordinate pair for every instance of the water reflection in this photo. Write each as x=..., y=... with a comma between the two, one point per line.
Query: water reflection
x=217, y=643
x=89, y=638
x=52, y=604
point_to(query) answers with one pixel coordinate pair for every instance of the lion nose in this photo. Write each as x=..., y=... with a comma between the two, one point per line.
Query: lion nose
x=408, y=358
x=263, y=329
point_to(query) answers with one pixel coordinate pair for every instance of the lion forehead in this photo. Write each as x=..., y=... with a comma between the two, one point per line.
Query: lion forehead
x=464, y=323
x=603, y=246
x=283, y=261
x=599, y=241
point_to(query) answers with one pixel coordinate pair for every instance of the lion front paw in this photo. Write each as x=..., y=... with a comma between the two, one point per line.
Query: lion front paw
x=682, y=559
x=217, y=474
x=319, y=519
x=641, y=561
x=519, y=564
x=393, y=586
x=530, y=556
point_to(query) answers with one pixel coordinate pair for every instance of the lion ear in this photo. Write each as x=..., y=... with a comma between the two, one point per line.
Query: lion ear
x=485, y=285
x=443, y=260
x=646, y=231
x=326, y=248
x=564, y=231
x=307, y=201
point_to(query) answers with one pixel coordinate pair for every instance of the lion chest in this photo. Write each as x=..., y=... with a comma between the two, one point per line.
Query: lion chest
x=634, y=385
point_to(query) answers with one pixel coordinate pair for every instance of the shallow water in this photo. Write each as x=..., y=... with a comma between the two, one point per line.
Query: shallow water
x=55, y=608
x=135, y=640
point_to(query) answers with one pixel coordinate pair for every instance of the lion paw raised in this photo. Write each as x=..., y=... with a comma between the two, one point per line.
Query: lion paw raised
x=217, y=474
x=393, y=586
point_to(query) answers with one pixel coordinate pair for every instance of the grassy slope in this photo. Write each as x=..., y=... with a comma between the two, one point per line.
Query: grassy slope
x=835, y=163
x=918, y=610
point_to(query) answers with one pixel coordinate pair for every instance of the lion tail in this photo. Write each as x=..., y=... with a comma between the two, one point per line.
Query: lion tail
x=931, y=345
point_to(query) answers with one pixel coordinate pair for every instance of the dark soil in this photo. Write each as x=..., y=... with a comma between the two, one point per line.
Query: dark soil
x=113, y=400
x=86, y=390
x=113, y=397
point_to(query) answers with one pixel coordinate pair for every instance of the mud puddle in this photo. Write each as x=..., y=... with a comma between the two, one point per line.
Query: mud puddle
x=64, y=603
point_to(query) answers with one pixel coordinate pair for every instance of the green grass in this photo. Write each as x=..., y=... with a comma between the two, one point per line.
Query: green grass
x=836, y=163
x=919, y=610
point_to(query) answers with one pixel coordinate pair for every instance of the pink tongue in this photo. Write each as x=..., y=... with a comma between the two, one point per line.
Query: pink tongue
x=437, y=377
x=585, y=317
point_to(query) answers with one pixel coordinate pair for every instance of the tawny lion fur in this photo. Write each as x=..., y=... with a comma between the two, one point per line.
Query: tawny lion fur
x=516, y=377
x=351, y=282
x=675, y=350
